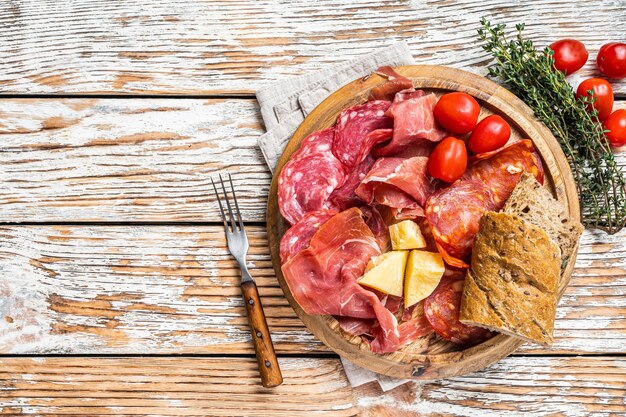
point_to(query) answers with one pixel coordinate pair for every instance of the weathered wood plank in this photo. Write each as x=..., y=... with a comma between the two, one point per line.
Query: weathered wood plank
x=130, y=159
x=217, y=47
x=593, y=386
x=175, y=289
x=124, y=160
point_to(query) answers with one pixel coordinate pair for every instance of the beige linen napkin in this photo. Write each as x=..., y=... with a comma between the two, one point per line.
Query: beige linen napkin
x=285, y=104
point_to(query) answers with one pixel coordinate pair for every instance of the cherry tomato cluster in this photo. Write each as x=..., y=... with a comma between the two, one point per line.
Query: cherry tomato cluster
x=570, y=55
x=458, y=113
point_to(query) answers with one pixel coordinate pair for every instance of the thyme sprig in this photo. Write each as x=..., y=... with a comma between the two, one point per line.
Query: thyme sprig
x=530, y=74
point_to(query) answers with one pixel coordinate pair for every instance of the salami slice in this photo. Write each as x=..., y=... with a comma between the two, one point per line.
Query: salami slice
x=309, y=178
x=298, y=236
x=355, y=131
x=395, y=83
x=441, y=309
x=502, y=169
x=453, y=214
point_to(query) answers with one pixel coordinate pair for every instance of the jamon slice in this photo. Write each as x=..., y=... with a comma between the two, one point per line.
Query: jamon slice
x=308, y=179
x=402, y=184
x=322, y=278
x=395, y=83
x=356, y=131
x=413, y=122
x=298, y=236
x=407, y=94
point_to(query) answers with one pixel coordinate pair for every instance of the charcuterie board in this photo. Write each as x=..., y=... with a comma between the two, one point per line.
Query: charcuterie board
x=430, y=357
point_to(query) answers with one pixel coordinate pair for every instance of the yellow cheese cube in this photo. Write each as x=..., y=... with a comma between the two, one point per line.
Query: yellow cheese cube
x=423, y=273
x=406, y=235
x=385, y=273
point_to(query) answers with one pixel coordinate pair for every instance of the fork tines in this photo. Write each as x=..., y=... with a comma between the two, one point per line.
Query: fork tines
x=232, y=227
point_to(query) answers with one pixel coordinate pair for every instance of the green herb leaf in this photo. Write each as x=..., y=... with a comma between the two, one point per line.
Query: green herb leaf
x=530, y=74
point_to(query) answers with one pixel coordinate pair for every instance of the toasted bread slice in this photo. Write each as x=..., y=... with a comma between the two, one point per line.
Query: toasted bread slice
x=534, y=203
x=512, y=287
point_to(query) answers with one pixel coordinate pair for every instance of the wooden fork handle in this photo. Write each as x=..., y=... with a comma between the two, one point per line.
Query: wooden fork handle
x=265, y=355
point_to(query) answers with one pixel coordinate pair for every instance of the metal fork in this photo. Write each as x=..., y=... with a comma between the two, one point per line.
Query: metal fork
x=238, y=247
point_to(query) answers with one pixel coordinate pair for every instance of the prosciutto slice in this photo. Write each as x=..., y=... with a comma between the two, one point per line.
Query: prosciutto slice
x=311, y=175
x=322, y=277
x=357, y=131
x=402, y=184
x=395, y=83
x=414, y=121
x=377, y=225
x=298, y=236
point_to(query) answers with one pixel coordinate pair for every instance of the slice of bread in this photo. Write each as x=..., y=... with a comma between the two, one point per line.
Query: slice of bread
x=534, y=203
x=512, y=287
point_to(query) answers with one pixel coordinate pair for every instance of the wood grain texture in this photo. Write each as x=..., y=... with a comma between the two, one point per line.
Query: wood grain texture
x=177, y=46
x=127, y=159
x=515, y=387
x=429, y=357
x=261, y=338
x=174, y=289
x=130, y=159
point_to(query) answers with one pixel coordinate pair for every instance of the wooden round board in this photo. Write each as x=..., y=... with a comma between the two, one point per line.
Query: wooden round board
x=430, y=357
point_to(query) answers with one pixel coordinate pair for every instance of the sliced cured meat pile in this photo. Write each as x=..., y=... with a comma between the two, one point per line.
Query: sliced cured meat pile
x=454, y=212
x=346, y=184
x=413, y=122
x=297, y=237
x=322, y=277
x=441, y=309
x=359, y=129
x=400, y=183
x=310, y=176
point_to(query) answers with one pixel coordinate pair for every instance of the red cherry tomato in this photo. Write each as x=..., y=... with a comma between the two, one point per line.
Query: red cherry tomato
x=490, y=134
x=602, y=91
x=457, y=112
x=569, y=55
x=616, y=124
x=448, y=160
x=611, y=60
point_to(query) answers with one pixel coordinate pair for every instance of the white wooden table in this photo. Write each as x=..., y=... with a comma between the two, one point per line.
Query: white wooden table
x=117, y=295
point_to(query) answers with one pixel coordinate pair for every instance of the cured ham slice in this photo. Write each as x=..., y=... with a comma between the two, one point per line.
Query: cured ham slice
x=354, y=326
x=454, y=212
x=395, y=83
x=322, y=277
x=413, y=329
x=309, y=178
x=298, y=236
x=356, y=131
x=408, y=94
x=414, y=121
x=344, y=197
x=402, y=184
x=377, y=225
